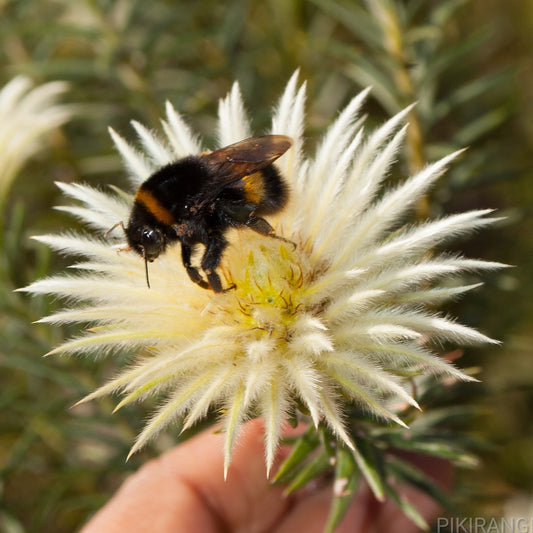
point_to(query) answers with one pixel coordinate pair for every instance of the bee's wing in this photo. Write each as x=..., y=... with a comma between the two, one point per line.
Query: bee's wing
x=243, y=158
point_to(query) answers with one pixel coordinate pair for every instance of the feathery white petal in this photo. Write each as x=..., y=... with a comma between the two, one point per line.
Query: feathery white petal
x=12, y=92
x=306, y=380
x=107, y=342
x=233, y=125
x=435, y=295
x=358, y=368
x=398, y=279
x=357, y=177
x=419, y=239
x=408, y=354
x=273, y=405
x=212, y=392
x=171, y=410
x=180, y=136
x=176, y=362
x=88, y=247
x=367, y=399
x=153, y=146
x=42, y=96
x=395, y=203
x=288, y=119
x=335, y=233
x=233, y=420
x=438, y=327
x=375, y=173
x=26, y=115
x=333, y=416
x=138, y=166
x=334, y=155
x=107, y=209
x=95, y=220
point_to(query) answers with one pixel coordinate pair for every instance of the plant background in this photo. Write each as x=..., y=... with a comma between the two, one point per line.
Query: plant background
x=467, y=63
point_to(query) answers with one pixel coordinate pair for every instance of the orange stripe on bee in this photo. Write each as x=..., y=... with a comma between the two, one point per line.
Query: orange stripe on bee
x=161, y=213
x=254, y=187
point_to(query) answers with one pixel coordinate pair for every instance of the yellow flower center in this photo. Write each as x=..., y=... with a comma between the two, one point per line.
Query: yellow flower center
x=270, y=277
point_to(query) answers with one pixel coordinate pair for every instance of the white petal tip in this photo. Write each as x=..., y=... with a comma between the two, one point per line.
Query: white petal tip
x=400, y=422
x=413, y=403
x=117, y=407
x=85, y=399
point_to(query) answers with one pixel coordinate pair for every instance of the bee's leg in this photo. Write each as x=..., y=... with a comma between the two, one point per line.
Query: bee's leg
x=211, y=259
x=186, y=251
x=121, y=224
x=261, y=226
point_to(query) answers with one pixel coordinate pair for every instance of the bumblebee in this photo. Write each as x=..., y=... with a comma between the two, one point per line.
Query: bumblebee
x=195, y=200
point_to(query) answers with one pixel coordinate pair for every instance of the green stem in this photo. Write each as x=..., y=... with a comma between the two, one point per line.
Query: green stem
x=393, y=44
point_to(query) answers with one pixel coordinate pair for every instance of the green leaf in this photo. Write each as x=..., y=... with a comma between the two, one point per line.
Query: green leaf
x=444, y=450
x=355, y=18
x=407, y=507
x=10, y=524
x=310, y=471
x=371, y=465
x=468, y=92
x=444, y=11
x=365, y=73
x=31, y=365
x=442, y=417
x=406, y=471
x=301, y=450
x=451, y=55
x=347, y=476
x=481, y=126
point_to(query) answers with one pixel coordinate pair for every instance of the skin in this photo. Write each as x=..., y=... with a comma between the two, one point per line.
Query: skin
x=184, y=491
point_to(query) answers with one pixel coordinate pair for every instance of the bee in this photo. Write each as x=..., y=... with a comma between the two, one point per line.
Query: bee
x=196, y=199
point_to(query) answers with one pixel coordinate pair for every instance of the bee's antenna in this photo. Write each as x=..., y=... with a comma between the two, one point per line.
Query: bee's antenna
x=146, y=268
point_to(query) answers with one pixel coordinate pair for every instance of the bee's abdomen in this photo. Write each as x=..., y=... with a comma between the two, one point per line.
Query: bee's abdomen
x=267, y=190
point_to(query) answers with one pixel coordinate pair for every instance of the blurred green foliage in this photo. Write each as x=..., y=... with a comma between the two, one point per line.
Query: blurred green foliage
x=467, y=64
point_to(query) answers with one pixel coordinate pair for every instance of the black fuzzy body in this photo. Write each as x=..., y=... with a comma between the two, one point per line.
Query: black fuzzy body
x=198, y=198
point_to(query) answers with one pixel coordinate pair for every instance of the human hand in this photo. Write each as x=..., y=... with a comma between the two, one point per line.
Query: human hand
x=184, y=491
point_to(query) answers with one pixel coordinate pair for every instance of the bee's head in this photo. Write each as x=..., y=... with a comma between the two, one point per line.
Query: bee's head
x=148, y=241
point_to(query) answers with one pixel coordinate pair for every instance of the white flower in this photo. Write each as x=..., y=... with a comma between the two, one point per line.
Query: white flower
x=337, y=320
x=25, y=116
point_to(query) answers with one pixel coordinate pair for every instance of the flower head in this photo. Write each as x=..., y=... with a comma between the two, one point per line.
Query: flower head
x=25, y=116
x=335, y=321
